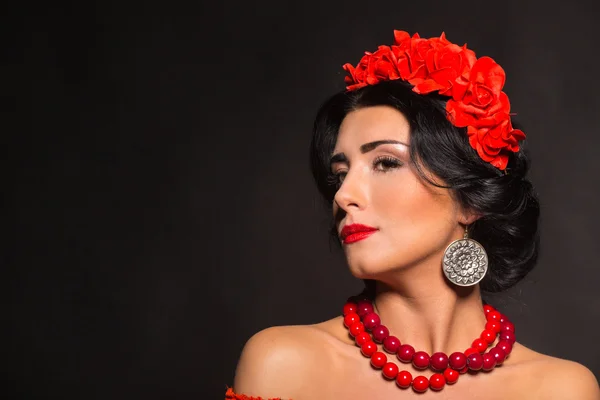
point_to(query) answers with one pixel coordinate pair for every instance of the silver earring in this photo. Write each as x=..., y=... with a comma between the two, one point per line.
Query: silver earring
x=465, y=261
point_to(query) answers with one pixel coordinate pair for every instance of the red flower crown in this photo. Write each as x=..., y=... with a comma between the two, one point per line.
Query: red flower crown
x=473, y=84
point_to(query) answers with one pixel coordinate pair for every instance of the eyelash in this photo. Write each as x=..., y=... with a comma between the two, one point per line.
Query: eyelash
x=392, y=163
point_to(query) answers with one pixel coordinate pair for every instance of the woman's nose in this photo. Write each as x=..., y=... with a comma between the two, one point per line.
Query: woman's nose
x=352, y=192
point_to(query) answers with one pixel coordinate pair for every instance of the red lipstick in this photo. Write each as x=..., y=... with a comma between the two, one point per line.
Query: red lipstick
x=355, y=232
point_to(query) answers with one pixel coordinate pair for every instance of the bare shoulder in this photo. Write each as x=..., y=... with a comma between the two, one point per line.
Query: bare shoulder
x=280, y=361
x=559, y=378
x=568, y=379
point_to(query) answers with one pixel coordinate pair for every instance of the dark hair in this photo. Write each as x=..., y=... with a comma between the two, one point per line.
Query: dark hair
x=507, y=202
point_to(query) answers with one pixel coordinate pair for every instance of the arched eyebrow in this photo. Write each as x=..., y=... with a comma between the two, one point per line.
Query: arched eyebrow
x=338, y=158
x=365, y=148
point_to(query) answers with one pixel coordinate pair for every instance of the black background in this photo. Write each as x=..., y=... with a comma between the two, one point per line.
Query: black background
x=158, y=206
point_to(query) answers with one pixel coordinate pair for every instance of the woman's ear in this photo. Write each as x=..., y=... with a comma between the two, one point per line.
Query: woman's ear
x=467, y=217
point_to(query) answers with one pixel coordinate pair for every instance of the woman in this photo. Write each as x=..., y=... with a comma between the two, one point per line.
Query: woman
x=427, y=183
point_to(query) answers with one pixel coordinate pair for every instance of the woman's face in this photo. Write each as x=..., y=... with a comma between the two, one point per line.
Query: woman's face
x=378, y=187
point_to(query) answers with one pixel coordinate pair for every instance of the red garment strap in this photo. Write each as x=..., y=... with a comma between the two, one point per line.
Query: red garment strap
x=231, y=395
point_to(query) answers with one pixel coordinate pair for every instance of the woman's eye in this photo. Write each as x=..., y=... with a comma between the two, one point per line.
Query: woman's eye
x=386, y=163
x=336, y=178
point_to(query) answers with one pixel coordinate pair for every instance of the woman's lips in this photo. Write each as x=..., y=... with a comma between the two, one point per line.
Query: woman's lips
x=355, y=232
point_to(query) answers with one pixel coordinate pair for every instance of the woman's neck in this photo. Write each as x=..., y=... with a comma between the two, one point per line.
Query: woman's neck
x=431, y=316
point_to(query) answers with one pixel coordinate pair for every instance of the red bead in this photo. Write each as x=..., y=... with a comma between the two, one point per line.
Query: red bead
x=451, y=375
x=493, y=326
x=493, y=316
x=420, y=384
x=480, y=345
x=457, y=361
x=464, y=370
x=404, y=379
x=362, y=338
x=371, y=321
x=420, y=360
x=364, y=307
x=508, y=327
x=505, y=346
x=378, y=359
x=508, y=336
x=380, y=333
x=488, y=335
x=439, y=361
x=470, y=351
x=489, y=362
x=498, y=354
x=390, y=370
x=487, y=309
x=351, y=318
x=356, y=328
x=349, y=308
x=368, y=349
x=405, y=353
x=391, y=344
x=437, y=381
x=475, y=361
x=503, y=318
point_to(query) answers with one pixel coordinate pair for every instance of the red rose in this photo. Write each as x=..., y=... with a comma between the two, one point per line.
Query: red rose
x=493, y=144
x=462, y=114
x=417, y=54
x=447, y=66
x=410, y=52
x=481, y=101
x=383, y=64
x=357, y=78
x=486, y=81
x=423, y=49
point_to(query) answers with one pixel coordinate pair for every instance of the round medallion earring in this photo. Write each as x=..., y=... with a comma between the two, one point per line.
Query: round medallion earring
x=465, y=261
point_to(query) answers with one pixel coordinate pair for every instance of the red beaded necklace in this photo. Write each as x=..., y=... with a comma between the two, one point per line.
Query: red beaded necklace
x=360, y=319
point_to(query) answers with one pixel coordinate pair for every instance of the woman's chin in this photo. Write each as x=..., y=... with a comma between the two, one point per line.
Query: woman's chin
x=367, y=271
x=375, y=269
